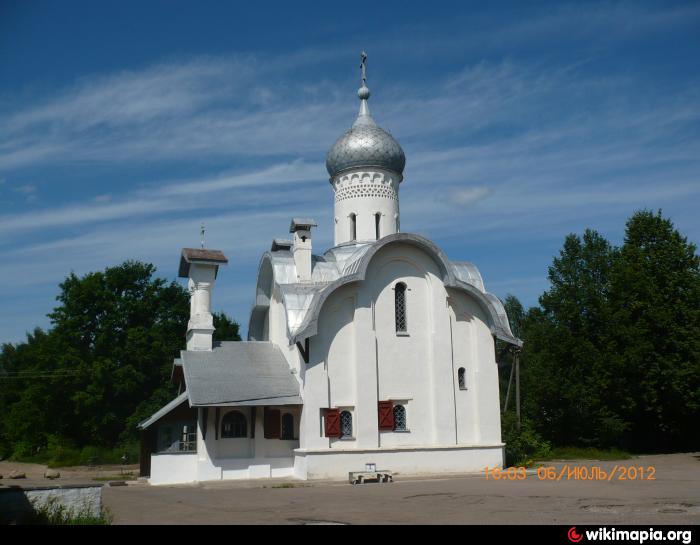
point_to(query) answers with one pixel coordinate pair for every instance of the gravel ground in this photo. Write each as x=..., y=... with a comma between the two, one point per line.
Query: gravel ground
x=69, y=475
x=672, y=498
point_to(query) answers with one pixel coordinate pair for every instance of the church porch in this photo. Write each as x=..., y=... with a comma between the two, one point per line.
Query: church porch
x=191, y=444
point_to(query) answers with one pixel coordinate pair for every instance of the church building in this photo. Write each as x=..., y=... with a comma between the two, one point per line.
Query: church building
x=379, y=350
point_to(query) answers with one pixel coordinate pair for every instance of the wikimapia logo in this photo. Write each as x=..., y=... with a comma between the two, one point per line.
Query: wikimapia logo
x=638, y=536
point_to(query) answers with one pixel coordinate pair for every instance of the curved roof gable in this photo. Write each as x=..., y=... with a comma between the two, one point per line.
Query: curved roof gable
x=346, y=264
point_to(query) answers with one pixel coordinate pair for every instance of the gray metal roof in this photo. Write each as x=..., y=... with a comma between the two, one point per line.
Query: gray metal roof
x=240, y=373
x=348, y=263
x=365, y=144
x=160, y=413
x=301, y=223
x=281, y=244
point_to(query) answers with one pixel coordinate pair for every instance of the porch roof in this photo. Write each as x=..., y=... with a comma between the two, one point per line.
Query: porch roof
x=239, y=373
x=160, y=413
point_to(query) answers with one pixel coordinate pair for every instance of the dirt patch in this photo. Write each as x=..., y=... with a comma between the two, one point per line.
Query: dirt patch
x=69, y=475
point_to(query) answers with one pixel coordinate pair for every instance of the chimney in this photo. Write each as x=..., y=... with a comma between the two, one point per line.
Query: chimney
x=301, y=249
x=200, y=267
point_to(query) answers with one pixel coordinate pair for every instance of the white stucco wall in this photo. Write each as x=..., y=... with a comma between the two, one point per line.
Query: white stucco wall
x=366, y=193
x=276, y=332
x=173, y=468
x=358, y=359
x=479, y=413
x=334, y=464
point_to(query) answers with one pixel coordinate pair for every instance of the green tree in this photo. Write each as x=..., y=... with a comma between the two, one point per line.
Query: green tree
x=565, y=371
x=225, y=329
x=103, y=365
x=504, y=352
x=611, y=354
x=655, y=295
x=516, y=314
x=523, y=442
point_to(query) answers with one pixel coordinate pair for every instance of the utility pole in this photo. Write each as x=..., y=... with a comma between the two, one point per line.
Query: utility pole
x=510, y=382
x=516, y=363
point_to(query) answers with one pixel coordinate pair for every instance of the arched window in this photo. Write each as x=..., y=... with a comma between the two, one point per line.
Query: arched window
x=462, y=379
x=234, y=424
x=400, y=307
x=346, y=424
x=399, y=418
x=353, y=227
x=287, y=426
x=377, y=218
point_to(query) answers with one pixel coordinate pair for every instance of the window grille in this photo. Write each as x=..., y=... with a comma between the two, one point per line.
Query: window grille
x=399, y=418
x=346, y=424
x=461, y=378
x=188, y=439
x=400, y=307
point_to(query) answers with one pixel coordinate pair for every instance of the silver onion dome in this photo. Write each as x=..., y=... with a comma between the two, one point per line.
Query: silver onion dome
x=366, y=144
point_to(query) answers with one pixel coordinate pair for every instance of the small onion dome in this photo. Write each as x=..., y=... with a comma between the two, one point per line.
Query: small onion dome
x=365, y=145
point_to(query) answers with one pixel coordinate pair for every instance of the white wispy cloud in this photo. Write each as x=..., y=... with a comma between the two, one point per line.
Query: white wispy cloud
x=505, y=151
x=163, y=197
x=523, y=172
x=463, y=196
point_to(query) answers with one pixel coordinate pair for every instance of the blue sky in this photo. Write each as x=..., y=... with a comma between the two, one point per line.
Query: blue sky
x=124, y=125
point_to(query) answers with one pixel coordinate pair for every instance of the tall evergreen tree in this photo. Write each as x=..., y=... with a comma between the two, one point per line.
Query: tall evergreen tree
x=565, y=373
x=655, y=296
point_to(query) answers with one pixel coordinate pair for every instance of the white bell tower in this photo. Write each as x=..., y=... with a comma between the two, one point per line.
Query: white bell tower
x=366, y=167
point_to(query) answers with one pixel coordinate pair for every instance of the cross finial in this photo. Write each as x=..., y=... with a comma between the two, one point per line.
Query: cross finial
x=363, y=67
x=202, y=230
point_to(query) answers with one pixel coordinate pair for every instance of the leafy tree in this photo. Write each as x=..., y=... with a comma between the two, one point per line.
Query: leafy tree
x=565, y=363
x=611, y=354
x=103, y=365
x=655, y=295
x=504, y=352
x=225, y=329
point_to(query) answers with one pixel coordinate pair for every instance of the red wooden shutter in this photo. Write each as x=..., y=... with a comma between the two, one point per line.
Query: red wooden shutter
x=386, y=415
x=332, y=423
x=272, y=423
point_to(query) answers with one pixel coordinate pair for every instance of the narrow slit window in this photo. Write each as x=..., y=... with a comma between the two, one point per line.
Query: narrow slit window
x=461, y=378
x=400, y=307
x=353, y=227
x=287, y=426
x=377, y=219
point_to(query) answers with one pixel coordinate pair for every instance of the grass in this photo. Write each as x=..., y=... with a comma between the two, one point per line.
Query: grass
x=55, y=514
x=586, y=453
x=121, y=477
x=63, y=455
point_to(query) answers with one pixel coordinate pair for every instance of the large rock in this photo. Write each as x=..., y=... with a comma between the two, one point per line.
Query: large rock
x=15, y=474
x=51, y=474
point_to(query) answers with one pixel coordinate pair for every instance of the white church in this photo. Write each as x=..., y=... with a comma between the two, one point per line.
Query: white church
x=379, y=350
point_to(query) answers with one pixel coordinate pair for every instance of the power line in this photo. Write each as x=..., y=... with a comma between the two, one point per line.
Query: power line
x=31, y=374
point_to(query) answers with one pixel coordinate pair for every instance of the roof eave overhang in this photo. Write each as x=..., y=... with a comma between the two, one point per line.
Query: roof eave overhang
x=309, y=326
